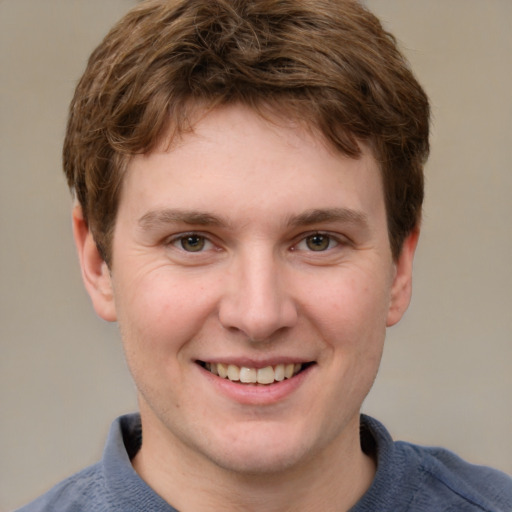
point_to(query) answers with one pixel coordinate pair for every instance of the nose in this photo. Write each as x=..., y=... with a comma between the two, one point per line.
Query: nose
x=256, y=301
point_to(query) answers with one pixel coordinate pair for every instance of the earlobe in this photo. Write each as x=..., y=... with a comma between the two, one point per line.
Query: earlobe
x=401, y=289
x=95, y=272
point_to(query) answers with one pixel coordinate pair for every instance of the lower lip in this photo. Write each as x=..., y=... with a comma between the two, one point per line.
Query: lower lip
x=258, y=394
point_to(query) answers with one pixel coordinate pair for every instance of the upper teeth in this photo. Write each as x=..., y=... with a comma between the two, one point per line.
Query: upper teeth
x=266, y=375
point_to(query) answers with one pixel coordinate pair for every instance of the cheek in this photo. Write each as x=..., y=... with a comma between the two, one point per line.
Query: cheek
x=354, y=305
x=156, y=313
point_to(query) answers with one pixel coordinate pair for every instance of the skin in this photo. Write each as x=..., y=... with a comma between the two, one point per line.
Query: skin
x=259, y=199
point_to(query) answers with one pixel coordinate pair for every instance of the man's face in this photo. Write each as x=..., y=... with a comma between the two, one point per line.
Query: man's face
x=252, y=248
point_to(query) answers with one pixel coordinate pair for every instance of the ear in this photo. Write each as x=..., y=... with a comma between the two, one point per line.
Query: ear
x=95, y=272
x=401, y=288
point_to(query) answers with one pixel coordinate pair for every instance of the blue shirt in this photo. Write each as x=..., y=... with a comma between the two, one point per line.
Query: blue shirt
x=409, y=478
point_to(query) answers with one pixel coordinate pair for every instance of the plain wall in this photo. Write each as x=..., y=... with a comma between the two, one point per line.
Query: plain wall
x=445, y=378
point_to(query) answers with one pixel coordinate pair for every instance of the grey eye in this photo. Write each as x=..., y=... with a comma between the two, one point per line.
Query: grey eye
x=318, y=242
x=192, y=243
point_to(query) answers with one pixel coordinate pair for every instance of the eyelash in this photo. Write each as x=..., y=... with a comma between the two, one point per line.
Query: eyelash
x=182, y=237
x=331, y=239
x=205, y=241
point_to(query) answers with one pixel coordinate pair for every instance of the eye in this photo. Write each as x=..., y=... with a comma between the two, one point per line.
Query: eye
x=191, y=242
x=317, y=242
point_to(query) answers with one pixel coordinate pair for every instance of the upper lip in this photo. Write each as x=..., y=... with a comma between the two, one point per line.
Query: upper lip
x=256, y=363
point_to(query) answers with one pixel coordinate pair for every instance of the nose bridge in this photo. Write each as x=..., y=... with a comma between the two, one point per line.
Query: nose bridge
x=256, y=302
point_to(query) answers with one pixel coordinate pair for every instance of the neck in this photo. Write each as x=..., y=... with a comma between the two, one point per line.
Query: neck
x=333, y=480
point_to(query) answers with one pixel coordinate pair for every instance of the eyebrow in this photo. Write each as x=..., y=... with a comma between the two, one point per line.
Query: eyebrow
x=156, y=218
x=317, y=216
x=161, y=217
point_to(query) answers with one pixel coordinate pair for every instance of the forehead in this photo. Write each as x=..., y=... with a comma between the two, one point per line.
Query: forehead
x=240, y=162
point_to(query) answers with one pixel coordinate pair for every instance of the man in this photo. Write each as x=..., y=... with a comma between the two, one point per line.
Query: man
x=249, y=180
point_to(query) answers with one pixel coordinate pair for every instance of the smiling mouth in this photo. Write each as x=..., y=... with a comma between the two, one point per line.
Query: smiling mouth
x=267, y=375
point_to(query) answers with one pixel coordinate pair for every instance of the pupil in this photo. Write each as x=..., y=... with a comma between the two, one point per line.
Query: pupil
x=318, y=242
x=192, y=243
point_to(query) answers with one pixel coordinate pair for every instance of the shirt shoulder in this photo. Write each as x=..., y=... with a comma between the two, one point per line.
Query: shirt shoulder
x=448, y=483
x=412, y=478
x=110, y=485
x=83, y=491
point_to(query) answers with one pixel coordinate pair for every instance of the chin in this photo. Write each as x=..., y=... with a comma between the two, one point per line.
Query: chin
x=259, y=462
x=264, y=453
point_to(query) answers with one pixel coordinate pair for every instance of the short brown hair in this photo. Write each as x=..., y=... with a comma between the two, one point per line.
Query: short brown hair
x=326, y=63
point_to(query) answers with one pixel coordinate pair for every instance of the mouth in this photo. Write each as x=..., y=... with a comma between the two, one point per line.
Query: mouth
x=263, y=376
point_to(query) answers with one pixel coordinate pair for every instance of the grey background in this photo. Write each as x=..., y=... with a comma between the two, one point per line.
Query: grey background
x=445, y=377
